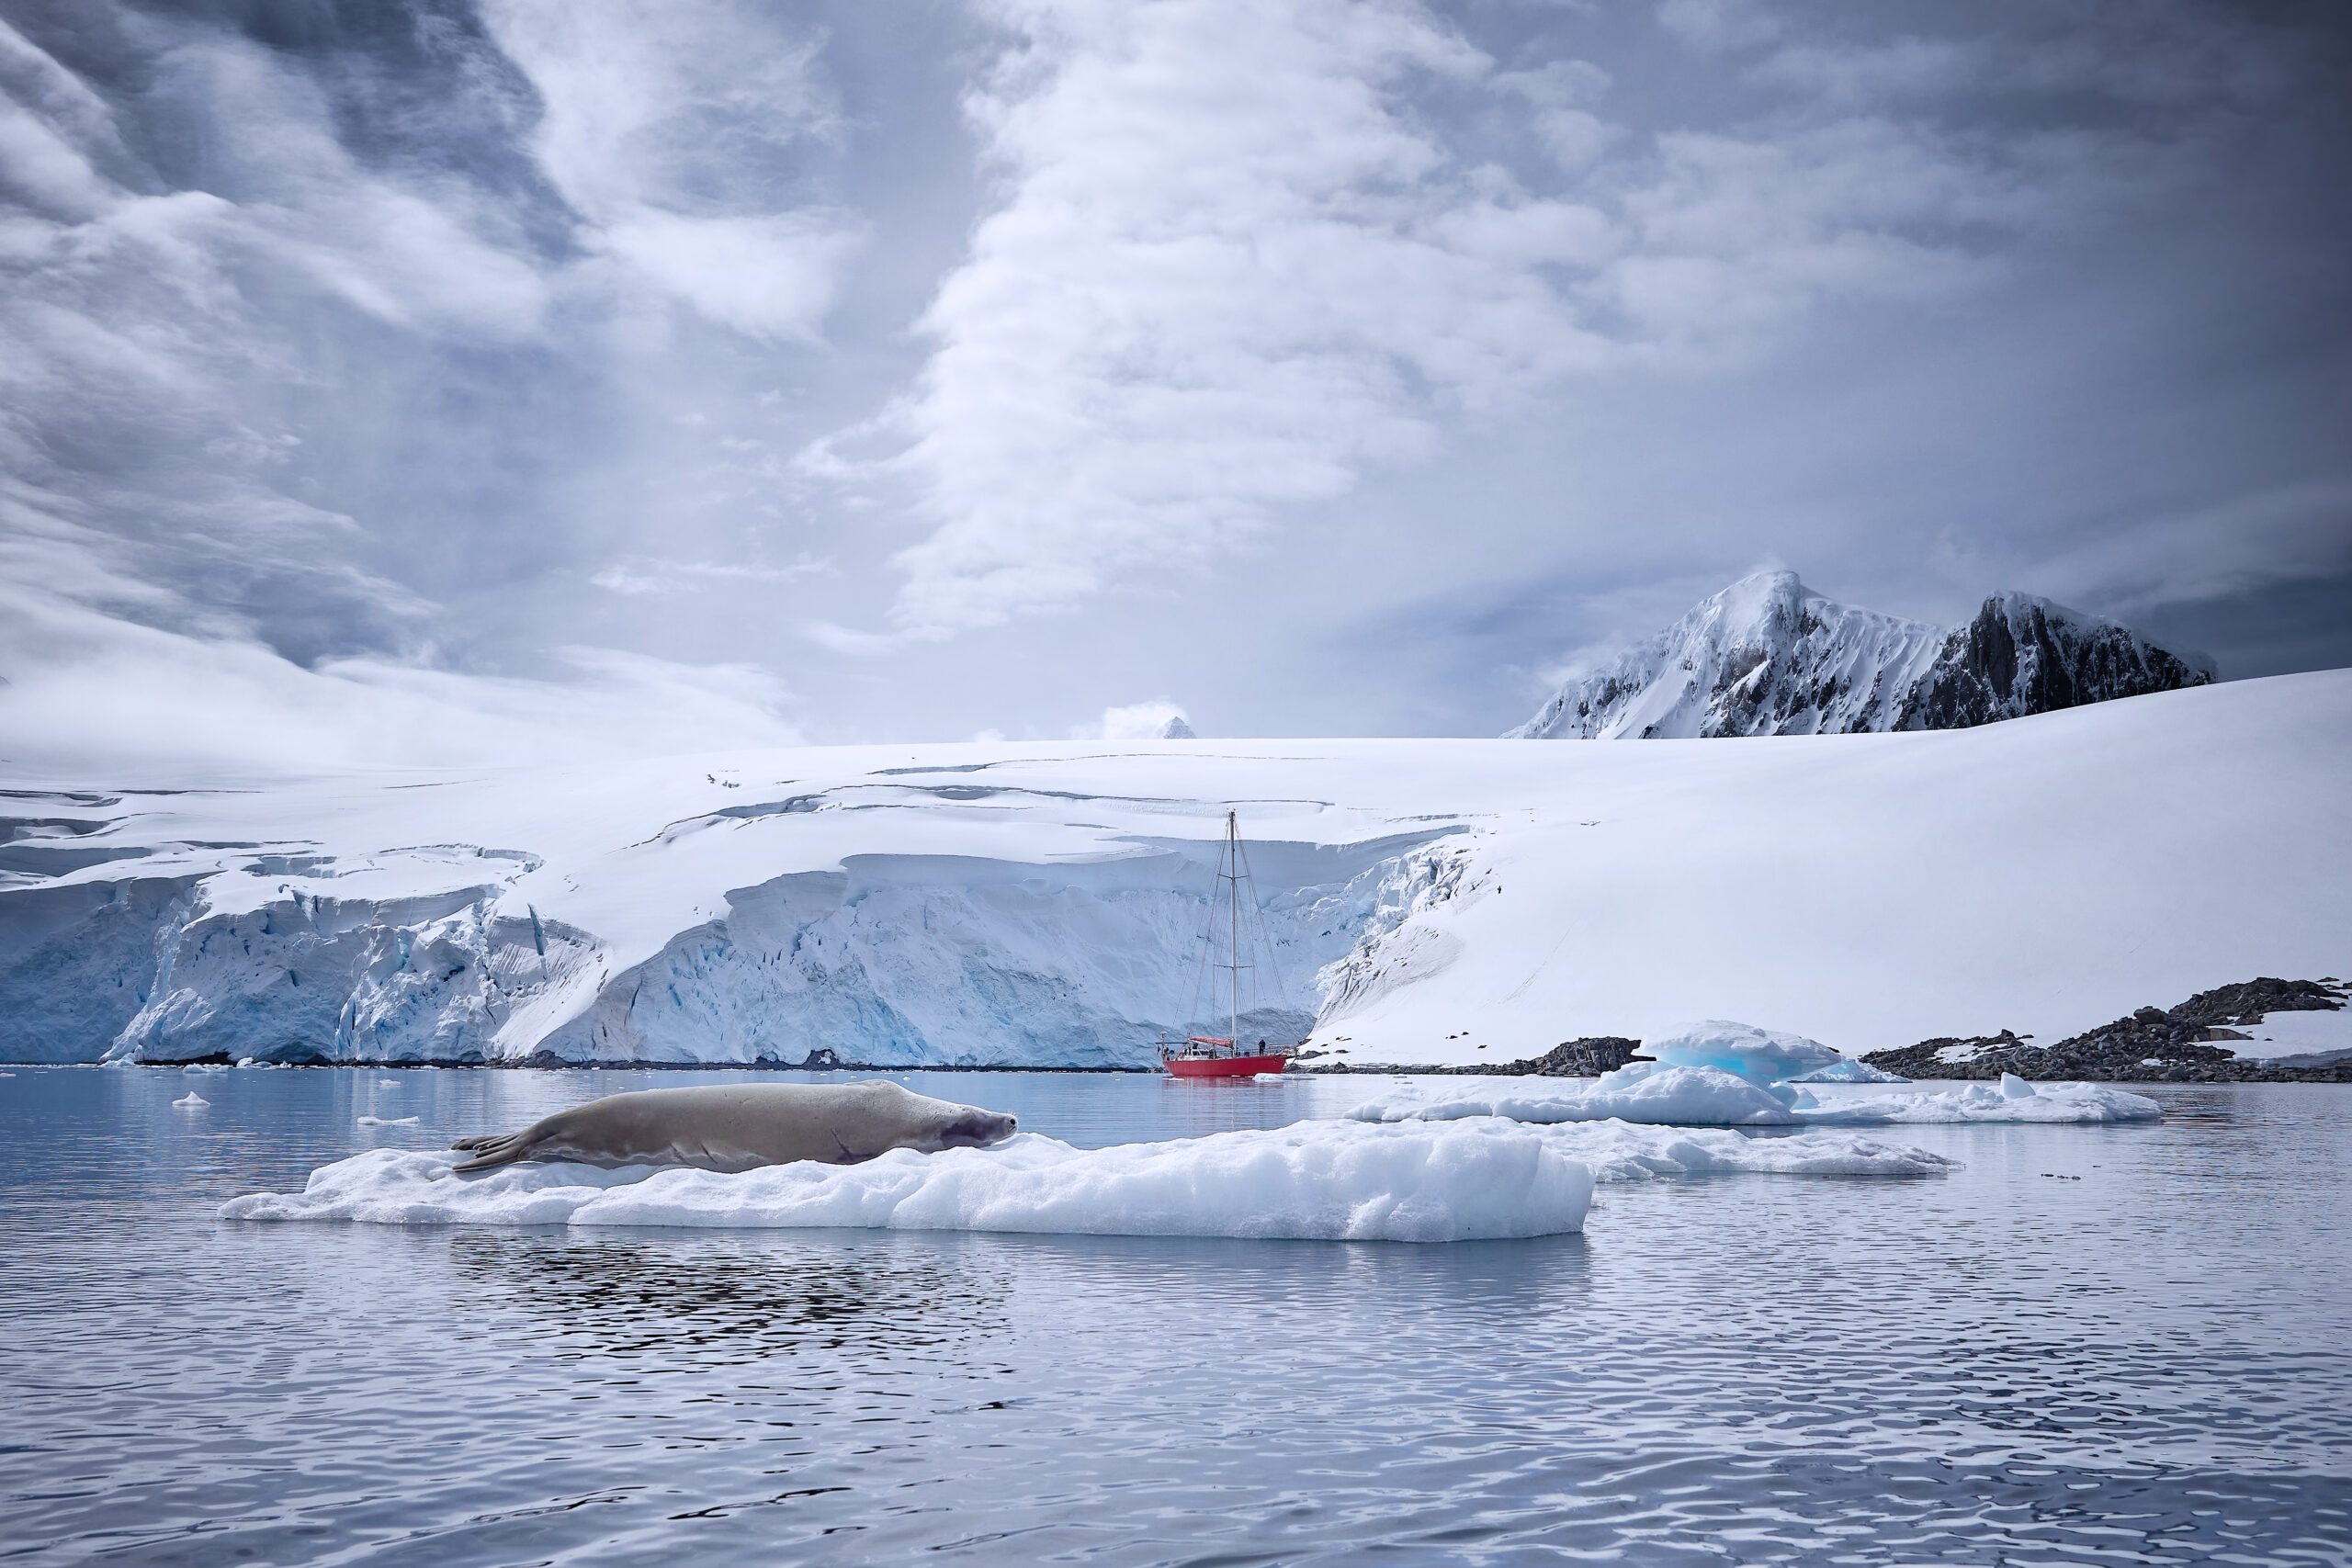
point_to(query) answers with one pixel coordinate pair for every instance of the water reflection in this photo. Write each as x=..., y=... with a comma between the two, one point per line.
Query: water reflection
x=2142, y=1366
x=737, y=1299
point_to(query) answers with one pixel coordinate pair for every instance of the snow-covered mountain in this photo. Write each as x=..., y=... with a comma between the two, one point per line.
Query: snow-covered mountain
x=1769, y=656
x=1029, y=904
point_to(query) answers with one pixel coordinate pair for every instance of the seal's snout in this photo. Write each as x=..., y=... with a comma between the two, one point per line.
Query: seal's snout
x=978, y=1130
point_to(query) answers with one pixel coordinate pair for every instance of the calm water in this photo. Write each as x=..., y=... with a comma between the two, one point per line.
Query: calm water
x=2150, y=1364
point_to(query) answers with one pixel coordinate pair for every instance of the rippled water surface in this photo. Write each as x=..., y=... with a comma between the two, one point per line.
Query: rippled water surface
x=2093, y=1344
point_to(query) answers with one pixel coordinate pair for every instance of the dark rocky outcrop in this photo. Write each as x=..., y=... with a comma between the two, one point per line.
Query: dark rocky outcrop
x=2189, y=1043
x=2023, y=655
x=1584, y=1058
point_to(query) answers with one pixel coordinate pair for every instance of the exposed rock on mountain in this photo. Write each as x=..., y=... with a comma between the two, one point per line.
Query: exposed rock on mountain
x=1768, y=656
x=2023, y=655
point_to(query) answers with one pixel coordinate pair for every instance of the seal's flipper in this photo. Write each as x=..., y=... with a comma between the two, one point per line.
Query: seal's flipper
x=490, y=1152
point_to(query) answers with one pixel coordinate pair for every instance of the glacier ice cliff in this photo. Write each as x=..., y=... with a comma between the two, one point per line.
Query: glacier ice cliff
x=885, y=960
x=1449, y=902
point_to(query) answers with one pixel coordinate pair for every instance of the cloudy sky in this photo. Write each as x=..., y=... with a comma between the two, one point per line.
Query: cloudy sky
x=450, y=381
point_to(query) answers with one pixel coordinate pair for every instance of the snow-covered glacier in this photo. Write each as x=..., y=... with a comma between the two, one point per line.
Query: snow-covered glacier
x=1031, y=904
x=1769, y=656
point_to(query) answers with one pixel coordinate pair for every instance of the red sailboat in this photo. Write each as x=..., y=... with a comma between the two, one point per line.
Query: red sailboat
x=1224, y=1056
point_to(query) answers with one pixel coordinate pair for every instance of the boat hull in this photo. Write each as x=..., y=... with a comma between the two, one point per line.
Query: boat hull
x=1222, y=1066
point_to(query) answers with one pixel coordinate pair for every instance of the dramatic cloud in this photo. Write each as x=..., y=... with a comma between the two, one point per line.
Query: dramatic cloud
x=233, y=291
x=1342, y=364
x=1239, y=261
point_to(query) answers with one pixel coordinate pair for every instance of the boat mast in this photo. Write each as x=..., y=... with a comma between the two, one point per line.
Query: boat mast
x=1233, y=849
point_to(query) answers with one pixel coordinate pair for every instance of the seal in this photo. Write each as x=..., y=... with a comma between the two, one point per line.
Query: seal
x=736, y=1127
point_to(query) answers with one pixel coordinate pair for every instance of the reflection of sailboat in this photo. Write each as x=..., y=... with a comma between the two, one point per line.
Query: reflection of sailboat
x=1225, y=1055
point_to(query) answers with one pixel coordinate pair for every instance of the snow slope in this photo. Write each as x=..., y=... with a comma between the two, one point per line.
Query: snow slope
x=1031, y=904
x=1769, y=656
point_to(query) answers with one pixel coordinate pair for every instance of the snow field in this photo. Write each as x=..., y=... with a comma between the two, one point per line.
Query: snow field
x=1443, y=902
x=1316, y=1180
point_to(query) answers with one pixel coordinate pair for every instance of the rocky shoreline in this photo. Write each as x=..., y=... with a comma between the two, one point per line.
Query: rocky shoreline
x=2188, y=1043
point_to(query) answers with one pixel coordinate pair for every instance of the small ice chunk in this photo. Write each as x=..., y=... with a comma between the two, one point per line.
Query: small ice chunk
x=387, y=1121
x=1319, y=1180
x=191, y=1102
x=2015, y=1087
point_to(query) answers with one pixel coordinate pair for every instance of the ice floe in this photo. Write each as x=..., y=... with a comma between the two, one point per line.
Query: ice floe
x=2012, y=1100
x=389, y=1120
x=1849, y=1070
x=1710, y=1097
x=1641, y=1091
x=1325, y=1180
x=1619, y=1150
x=193, y=1101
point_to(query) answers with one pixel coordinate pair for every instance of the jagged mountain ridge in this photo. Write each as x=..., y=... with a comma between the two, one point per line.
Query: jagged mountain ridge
x=1769, y=656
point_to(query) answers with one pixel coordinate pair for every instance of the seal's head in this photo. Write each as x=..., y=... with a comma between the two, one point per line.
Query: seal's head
x=976, y=1129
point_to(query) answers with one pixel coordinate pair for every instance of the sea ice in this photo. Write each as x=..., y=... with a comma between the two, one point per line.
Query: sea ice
x=1709, y=1097
x=2012, y=1100
x=1619, y=1150
x=1849, y=1070
x=389, y=1120
x=194, y=1101
x=1644, y=1092
x=1324, y=1180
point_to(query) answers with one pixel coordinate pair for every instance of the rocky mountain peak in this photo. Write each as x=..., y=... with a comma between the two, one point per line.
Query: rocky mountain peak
x=1769, y=656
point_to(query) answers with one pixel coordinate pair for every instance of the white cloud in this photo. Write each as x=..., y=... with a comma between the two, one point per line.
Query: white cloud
x=668, y=127
x=1159, y=719
x=95, y=699
x=1233, y=270
x=640, y=575
x=1720, y=25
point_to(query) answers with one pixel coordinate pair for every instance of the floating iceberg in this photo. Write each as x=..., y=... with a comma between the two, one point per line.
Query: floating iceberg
x=390, y=1121
x=1709, y=1097
x=1643, y=1092
x=194, y=1101
x=1322, y=1181
x=1762, y=1056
